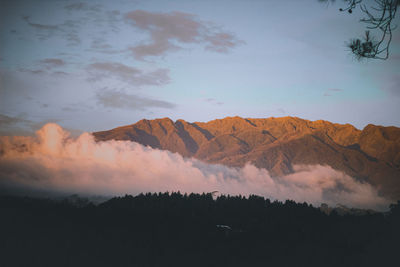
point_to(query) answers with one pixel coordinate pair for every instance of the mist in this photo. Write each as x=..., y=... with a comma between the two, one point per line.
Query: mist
x=53, y=161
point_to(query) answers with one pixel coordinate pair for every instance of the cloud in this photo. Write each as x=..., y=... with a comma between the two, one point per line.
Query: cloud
x=14, y=125
x=36, y=71
x=131, y=75
x=168, y=29
x=119, y=99
x=79, y=6
x=46, y=66
x=52, y=62
x=73, y=28
x=213, y=101
x=6, y=120
x=331, y=90
x=100, y=44
x=40, y=26
x=68, y=30
x=221, y=42
x=81, y=106
x=76, y=6
x=53, y=161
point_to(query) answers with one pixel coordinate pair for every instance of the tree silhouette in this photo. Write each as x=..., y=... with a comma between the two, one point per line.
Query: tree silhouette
x=379, y=19
x=171, y=229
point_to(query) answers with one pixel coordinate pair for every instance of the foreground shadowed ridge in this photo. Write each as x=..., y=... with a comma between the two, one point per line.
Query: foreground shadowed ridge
x=192, y=230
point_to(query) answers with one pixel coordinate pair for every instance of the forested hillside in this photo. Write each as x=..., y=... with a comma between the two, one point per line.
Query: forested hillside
x=191, y=230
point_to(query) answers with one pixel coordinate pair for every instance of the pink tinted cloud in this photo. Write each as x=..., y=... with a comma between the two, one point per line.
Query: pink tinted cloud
x=53, y=161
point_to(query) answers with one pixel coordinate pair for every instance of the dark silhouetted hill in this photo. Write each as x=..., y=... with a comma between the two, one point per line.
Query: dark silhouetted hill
x=191, y=230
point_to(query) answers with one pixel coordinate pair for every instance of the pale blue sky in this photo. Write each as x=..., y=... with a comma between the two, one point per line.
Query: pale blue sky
x=96, y=65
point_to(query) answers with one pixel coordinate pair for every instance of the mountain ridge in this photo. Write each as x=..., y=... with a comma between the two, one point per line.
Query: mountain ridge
x=277, y=144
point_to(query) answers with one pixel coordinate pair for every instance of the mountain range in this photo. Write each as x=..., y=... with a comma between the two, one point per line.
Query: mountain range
x=277, y=144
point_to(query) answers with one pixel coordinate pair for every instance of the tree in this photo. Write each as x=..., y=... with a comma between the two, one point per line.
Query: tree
x=379, y=19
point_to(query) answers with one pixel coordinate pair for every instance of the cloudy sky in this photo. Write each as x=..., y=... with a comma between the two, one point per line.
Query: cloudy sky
x=96, y=65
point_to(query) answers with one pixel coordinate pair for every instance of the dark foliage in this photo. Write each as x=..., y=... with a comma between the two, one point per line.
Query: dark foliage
x=191, y=230
x=379, y=18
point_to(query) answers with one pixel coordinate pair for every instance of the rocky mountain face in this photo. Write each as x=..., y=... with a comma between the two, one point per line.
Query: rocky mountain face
x=277, y=144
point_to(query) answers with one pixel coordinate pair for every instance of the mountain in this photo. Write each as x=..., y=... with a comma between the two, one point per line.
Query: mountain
x=277, y=144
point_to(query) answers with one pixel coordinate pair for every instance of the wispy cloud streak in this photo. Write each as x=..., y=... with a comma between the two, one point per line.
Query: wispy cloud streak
x=119, y=99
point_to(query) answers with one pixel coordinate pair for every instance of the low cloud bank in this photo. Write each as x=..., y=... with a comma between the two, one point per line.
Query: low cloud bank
x=53, y=161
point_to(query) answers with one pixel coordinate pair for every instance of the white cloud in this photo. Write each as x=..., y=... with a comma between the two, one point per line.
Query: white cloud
x=52, y=161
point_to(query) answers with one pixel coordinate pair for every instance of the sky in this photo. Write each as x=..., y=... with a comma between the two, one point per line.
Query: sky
x=95, y=65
